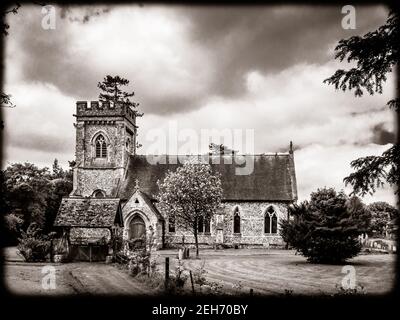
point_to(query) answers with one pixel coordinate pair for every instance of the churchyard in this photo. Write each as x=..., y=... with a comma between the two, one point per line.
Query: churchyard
x=229, y=271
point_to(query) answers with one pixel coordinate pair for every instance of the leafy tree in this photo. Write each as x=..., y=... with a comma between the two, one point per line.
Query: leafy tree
x=4, y=25
x=326, y=228
x=12, y=231
x=187, y=194
x=33, y=244
x=375, y=54
x=5, y=99
x=382, y=214
x=34, y=194
x=27, y=188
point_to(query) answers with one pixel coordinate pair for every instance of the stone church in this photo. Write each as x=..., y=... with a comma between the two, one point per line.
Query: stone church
x=114, y=192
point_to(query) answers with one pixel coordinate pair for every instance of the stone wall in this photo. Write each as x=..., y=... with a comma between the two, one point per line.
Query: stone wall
x=101, y=173
x=252, y=226
x=115, y=134
x=89, y=235
x=89, y=180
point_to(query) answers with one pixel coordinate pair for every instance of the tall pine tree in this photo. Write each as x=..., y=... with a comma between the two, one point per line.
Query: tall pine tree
x=112, y=91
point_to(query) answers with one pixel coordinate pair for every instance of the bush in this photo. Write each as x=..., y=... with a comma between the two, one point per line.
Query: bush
x=325, y=230
x=13, y=225
x=139, y=262
x=33, y=245
x=198, y=275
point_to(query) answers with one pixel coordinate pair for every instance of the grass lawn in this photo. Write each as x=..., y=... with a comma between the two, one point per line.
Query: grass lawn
x=265, y=271
x=274, y=271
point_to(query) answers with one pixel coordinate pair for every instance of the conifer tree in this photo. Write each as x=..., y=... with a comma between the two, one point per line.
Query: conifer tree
x=326, y=229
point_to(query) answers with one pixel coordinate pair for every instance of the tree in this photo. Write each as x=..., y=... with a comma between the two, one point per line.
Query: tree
x=375, y=54
x=326, y=228
x=111, y=92
x=382, y=214
x=4, y=25
x=190, y=193
x=34, y=194
x=220, y=149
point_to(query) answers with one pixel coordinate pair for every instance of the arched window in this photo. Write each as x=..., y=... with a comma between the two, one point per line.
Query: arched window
x=171, y=224
x=200, y=224
x=270, y=221
x=207, y=225
x=267, y=223
x=274, y=225
x=99, y=194
x=236, y=221
x=101, y=147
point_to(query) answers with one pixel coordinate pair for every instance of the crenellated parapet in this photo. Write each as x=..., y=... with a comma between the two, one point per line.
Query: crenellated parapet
x=104, y=109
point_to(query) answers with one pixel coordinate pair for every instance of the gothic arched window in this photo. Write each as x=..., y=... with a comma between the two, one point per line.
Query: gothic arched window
x=270, y=221
x=101, y=147
x=171, y=224
x=207, y=225
x=267, y=223
x=236, y=221
x=200, y=224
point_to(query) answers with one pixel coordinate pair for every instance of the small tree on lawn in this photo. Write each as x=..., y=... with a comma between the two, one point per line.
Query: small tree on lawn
x=326, y=229
x=191, y=192
x=382, y=213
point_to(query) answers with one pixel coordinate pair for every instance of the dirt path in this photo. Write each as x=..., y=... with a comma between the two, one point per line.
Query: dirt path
x=264, y=271
x=98, y=278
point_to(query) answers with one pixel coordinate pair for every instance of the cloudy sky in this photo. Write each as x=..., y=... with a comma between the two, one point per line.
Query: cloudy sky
x=257, y=68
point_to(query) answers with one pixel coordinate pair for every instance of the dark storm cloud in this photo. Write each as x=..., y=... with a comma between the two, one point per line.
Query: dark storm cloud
x=39, y=142
x=381, y=135
x=267, y=39
x=46, y=56
x=270, y=38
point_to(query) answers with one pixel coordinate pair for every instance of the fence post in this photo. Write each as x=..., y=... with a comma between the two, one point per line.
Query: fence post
x=251, y=292
x=191, y=280
x=166, y=272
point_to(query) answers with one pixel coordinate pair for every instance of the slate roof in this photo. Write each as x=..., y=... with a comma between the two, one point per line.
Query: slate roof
x=273, y=177
x=89, y=212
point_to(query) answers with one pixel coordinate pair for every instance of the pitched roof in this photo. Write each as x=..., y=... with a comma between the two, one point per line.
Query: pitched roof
x=272, y=179
x=84, y=212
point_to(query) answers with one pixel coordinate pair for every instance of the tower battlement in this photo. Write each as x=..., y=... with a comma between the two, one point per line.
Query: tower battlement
x=104, y=109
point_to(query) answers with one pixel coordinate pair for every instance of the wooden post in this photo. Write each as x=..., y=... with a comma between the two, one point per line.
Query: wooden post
x=251, y=292
x=51, y=251
x=191, y=280
x=166, y=272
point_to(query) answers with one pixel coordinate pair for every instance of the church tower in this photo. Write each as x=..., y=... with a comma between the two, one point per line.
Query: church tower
x=105, y=139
